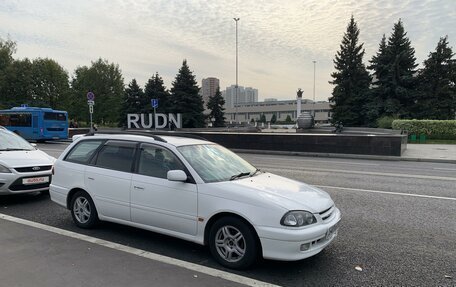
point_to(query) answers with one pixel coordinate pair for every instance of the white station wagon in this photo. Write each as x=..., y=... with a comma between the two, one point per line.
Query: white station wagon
x=194, y=190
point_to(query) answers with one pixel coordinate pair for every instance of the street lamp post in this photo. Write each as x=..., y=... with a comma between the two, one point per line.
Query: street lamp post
x=237, y=87
x=314, y=89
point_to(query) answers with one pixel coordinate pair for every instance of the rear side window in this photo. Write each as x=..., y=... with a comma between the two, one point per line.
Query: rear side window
x=116, y=155
x=83, y=151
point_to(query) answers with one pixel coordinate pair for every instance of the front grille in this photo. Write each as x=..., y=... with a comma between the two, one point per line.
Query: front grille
x=33, y=168
x=17, y=185
x=325, y=214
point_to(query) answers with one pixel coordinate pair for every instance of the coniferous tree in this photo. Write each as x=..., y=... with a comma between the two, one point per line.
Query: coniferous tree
x=263, y=118
x=273, y=119
x=437, y=94
x=400, y=81
x=132, y=102
x=155, y=89
x=351, y=80
x=215, y=105
x=375, y=107
x=185, y=98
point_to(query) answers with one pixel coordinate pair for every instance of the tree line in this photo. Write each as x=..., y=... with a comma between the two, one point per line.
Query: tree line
x=43, y=82
x=394, y=87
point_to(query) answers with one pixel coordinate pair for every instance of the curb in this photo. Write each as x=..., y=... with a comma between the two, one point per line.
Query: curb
x=349, y=156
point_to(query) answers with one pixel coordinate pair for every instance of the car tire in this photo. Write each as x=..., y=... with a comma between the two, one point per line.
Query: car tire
x=83, y=210
x=233, y=243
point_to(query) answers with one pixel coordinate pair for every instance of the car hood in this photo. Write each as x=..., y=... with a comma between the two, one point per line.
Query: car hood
x=287, y=193
x=22, y=158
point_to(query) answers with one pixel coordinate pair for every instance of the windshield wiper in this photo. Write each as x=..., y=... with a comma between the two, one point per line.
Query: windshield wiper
x=239, y=175
x=12, y=149
x=255, y=172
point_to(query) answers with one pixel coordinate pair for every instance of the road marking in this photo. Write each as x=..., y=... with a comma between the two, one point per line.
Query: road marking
x=138, y=252
x=386, y=192
x=308, y=160
x=442, y=168
x=418, y=176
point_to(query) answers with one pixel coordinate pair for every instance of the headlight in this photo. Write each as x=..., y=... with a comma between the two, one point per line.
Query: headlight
x=4, y=169
x=298, y=218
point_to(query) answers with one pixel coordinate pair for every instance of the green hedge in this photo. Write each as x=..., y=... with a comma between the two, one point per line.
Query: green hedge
x=433, y=129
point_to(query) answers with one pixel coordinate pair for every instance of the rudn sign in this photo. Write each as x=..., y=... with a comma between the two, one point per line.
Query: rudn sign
x=147, y=121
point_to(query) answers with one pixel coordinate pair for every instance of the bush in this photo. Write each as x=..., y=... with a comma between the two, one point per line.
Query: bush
x=385, y=122
x=433, y=129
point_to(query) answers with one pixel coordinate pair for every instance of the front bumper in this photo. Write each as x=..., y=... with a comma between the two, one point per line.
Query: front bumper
x=282, y=243
x=11, y=183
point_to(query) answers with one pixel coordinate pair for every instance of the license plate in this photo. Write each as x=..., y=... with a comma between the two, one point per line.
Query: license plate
x=35, y=180
x=332, y=231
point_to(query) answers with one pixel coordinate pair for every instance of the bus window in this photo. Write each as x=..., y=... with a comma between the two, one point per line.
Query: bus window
x=4, y=120
x=20, y=120
x=54, y=116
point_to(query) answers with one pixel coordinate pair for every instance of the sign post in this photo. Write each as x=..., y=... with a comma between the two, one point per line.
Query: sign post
x=154, y=103
x=91, y=103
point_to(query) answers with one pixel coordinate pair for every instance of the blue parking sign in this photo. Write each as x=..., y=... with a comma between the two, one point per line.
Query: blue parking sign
x=154, y=103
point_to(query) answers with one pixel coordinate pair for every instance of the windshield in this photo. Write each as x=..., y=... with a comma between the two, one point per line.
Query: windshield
x=214, y=163
x=11, y=141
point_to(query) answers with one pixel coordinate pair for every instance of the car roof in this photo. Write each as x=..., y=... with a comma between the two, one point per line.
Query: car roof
x=171, y=140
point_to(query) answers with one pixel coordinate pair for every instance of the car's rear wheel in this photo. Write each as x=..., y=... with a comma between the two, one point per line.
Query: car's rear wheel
x=233, y=243
x=83, y=210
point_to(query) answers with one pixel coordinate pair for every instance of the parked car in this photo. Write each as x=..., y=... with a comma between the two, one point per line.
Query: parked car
x=23, y=168
x=194, y=190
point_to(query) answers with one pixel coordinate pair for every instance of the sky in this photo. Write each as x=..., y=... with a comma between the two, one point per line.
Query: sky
x=277, y=40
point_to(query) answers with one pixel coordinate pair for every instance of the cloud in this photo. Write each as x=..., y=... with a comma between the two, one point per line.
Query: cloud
x=277, y=39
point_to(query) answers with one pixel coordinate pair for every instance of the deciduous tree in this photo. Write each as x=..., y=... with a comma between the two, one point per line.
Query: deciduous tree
x=105, y=80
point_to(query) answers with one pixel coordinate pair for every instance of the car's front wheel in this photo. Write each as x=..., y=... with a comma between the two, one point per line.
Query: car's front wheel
x=83, y=210
x=233, y=243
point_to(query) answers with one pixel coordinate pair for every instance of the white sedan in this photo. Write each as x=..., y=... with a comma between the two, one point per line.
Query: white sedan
x=195, y=190
x=23, y=168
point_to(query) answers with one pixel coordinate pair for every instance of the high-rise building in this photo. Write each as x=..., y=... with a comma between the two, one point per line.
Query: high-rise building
x=208, y=88
x=244, y=95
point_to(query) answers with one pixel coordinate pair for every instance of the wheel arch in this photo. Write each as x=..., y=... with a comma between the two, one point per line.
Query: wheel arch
x=71, y=194
x=220, y=215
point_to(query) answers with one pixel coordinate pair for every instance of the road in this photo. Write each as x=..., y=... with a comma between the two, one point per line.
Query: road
x=398, y=225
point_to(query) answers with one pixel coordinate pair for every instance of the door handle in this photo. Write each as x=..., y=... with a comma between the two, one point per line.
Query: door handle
x=91, y=178
x=138, y=187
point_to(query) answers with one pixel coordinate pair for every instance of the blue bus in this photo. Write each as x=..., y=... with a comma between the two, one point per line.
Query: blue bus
x=34, y=123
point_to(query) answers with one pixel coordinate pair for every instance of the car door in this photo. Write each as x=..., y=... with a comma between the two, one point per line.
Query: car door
x=108, y=178
x=158, y=202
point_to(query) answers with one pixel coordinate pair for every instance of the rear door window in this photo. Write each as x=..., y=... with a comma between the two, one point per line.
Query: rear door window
x=116, y=155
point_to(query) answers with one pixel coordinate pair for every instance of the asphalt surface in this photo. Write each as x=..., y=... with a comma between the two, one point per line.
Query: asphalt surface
x=398, y=225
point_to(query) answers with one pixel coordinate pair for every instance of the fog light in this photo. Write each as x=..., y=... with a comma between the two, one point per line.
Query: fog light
x=305, y=246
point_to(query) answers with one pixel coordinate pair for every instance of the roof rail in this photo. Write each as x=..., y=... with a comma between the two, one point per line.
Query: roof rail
x=168, y=133
x=124, y=132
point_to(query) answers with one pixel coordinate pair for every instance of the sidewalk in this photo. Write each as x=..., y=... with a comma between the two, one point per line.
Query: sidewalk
x=35, y=255
x=430, y=152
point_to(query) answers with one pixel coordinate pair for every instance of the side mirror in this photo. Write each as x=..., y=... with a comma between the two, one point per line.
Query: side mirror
x=176, y=175
x=33, y=144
